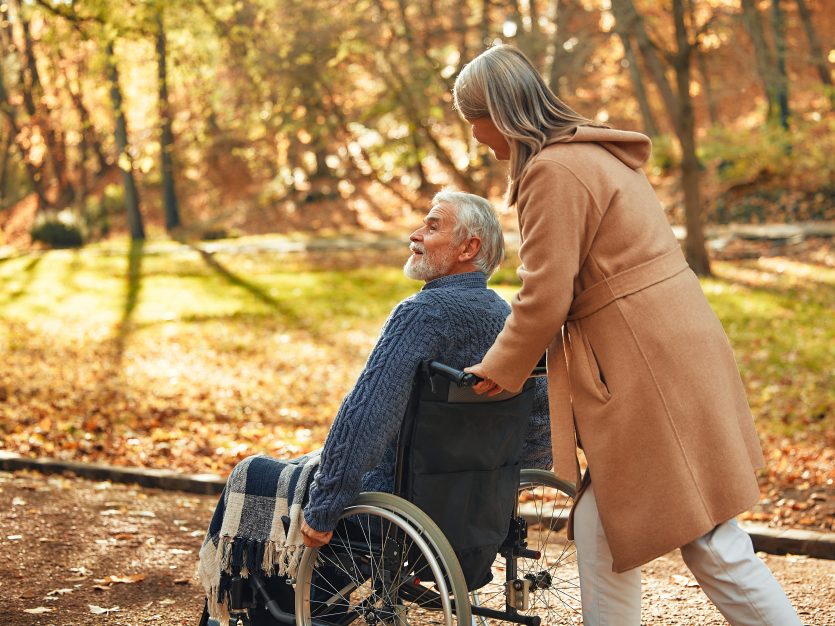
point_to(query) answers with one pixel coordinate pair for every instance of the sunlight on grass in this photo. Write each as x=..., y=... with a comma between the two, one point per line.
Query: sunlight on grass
x=171, y=355
x=77, y=286
x=779, y=317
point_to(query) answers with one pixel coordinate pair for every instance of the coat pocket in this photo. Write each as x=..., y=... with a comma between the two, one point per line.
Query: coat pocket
x=588, y=368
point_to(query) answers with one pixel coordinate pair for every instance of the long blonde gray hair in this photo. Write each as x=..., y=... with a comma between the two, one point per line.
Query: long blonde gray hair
x=503, y=84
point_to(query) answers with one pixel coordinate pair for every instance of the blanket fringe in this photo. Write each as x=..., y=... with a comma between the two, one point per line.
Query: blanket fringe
x=232, y=556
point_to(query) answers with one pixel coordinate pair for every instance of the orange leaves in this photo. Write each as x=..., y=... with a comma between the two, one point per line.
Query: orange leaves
x=70, y=397
x=798, y=484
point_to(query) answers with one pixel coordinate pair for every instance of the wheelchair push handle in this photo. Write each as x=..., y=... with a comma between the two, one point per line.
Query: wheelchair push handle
x=465, y=379
x=462, y=379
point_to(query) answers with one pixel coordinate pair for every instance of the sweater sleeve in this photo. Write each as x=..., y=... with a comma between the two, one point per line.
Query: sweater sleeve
x=554, y=209
x=370, y=415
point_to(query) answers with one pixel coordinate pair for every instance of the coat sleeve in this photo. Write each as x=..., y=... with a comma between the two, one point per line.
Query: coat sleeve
x=556, y=212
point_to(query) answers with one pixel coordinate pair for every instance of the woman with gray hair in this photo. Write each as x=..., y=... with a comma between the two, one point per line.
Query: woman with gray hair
x=641, y=374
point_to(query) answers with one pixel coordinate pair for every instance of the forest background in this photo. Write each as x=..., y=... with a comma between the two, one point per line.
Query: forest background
x=228, y=134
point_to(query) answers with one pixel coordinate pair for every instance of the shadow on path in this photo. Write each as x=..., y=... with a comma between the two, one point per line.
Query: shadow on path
x=259, y=293
x=133, y=289
x=28, y=272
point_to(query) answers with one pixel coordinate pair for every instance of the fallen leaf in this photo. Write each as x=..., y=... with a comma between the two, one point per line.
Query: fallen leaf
x=110, y=580
x=59, y=592
x=120, y=536
x=98, y=610
x=38, y=610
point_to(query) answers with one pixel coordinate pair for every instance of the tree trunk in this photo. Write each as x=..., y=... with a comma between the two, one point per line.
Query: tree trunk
x=554, y=62
x=694, y=246
x=763, y=55
x=399, y=85
x=125, y=161
x=712, y=112
x=701, y=62
x=40, y=115
x=4, y=164
x=818, y=58
x=484, y=30
x=779, y=24
x=166, y=142
x=88, y=133
x=633, y=25
x=35, y=172
x=650, y=127
x=423, y=180
x=461, y=29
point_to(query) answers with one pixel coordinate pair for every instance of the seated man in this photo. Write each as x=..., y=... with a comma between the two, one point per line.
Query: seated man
x=453, y=319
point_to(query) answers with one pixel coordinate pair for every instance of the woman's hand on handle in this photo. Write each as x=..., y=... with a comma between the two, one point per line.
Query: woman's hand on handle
x=488, y=386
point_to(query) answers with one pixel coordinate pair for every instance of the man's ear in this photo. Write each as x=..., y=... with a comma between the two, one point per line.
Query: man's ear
x=471, y=248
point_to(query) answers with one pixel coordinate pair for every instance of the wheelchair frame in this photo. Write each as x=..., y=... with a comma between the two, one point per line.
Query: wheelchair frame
x=387, y=598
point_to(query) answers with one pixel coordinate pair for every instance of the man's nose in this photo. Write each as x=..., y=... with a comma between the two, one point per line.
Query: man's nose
x=417, y=235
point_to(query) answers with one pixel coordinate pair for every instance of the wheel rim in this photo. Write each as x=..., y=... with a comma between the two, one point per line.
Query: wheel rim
x=377, y=570
x=544, y=502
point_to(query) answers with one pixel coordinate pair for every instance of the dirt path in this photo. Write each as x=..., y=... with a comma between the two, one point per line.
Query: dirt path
x=74, y=548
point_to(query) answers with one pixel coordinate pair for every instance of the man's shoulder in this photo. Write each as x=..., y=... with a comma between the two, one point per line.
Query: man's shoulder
x=416, y=306
x=446, y=304
x=433, y=302
x=426, y=297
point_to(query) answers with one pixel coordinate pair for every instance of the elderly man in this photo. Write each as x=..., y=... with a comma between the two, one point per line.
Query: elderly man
x=454, y=318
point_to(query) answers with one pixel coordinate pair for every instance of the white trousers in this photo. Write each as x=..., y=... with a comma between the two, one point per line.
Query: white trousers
x=722, y=561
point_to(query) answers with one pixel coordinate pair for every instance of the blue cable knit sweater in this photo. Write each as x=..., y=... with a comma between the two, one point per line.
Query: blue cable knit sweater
x=453, y=319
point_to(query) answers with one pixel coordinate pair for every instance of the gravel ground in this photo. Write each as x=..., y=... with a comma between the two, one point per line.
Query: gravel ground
x=81, y=552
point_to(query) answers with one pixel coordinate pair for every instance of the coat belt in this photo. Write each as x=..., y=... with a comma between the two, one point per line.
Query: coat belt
x=588, y=302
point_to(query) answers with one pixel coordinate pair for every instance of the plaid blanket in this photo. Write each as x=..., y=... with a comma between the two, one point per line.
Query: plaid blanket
x=257, y=524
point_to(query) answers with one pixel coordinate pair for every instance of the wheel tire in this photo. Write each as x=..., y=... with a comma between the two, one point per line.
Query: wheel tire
x=370, y=599
x=558, y=600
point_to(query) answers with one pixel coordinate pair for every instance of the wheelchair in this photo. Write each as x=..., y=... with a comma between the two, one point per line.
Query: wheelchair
x=467, y=538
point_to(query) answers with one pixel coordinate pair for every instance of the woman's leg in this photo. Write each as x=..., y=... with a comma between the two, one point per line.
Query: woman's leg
x=736, y=580
x=609, y=599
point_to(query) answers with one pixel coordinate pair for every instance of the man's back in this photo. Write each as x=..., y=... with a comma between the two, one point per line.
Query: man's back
x=454, y=319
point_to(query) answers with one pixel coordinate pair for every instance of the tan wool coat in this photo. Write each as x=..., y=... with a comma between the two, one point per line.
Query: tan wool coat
x=637, y=360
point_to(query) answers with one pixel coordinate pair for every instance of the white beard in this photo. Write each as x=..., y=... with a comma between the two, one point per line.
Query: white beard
x=423, y=267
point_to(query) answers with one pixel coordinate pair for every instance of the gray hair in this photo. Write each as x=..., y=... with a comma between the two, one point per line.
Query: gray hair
x=476, y=217
x=501, y=83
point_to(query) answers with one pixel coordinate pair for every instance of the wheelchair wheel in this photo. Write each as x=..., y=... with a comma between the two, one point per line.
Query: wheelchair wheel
x=553, y=581
x=387, y=564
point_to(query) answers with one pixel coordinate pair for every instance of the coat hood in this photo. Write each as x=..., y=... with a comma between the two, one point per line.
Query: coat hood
x=630, y=147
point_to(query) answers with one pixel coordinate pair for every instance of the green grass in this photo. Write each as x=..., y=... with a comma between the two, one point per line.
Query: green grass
x=96, y=285
x=780, y=318
x=778, y=314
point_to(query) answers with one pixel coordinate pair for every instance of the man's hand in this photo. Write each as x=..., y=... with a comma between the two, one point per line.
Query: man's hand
x=314, y=538
x=487, y=385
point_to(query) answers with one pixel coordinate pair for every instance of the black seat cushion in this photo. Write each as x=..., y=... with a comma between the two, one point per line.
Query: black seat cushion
x=459, y=462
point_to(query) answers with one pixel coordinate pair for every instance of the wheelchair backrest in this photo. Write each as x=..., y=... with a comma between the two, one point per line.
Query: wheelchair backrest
x=458, y=460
